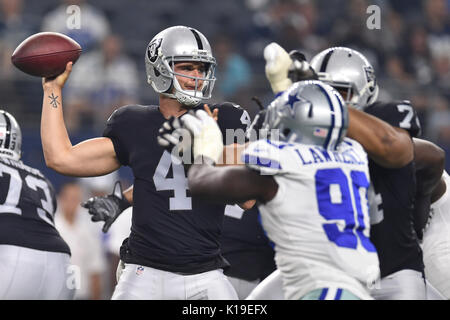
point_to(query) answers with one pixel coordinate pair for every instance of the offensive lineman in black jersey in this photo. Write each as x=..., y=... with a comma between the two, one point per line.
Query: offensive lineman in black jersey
x=34, y=259
x=173, y=250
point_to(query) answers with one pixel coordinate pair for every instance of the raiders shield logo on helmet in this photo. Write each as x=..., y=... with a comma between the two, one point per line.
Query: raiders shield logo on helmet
x=152, y=50
x=370, y=73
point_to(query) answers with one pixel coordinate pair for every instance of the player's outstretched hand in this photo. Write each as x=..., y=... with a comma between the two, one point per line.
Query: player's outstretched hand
x=107, y=208
x=208, y=141
x=278, y=62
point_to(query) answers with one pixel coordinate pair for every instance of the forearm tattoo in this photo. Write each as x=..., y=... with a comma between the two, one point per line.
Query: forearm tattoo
x=53, y=101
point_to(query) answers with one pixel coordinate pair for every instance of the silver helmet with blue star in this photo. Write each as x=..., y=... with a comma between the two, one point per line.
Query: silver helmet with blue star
x=309, y=112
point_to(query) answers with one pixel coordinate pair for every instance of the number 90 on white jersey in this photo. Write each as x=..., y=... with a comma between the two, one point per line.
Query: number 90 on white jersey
x=319, y=218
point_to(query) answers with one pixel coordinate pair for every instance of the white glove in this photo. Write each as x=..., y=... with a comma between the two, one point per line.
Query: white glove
x=207, y=135
x=277, y=67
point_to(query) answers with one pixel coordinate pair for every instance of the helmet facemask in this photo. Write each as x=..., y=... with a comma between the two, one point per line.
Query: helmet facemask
x=352, y=97
x=280, y=119
x=203, y=85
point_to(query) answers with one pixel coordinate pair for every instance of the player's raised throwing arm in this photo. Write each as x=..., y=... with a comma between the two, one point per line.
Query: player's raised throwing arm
x=89, y=158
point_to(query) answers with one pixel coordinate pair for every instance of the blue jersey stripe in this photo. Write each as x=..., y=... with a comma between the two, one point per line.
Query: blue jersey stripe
x=261, y=161
x=280, y=145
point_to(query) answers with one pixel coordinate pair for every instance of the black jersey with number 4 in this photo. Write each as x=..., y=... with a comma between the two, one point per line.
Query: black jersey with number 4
x=391, y=212
x=171, y=230
x=27, y=208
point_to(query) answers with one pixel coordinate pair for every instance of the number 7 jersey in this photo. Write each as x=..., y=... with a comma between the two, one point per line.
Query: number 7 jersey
x=319, y=217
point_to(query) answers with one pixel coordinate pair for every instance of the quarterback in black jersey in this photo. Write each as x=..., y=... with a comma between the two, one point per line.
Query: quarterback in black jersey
x=243, y=242
x=173, y=251
x=34, y=259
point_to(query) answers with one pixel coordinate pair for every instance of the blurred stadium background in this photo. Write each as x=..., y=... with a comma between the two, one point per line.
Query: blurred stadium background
x=410, y=54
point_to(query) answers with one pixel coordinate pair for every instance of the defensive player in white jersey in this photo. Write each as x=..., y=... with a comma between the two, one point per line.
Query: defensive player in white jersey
x=436, y=239
x=311, y=185
x=388, y=146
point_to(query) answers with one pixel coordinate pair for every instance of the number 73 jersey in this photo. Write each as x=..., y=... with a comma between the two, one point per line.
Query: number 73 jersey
x=27, y=209
x=319, y=218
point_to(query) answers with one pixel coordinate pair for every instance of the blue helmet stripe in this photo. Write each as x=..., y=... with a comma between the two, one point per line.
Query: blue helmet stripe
x=327, y=141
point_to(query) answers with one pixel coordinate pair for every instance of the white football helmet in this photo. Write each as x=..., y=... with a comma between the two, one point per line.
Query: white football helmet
x=347, y=69
x=177, y=44
x=10, y=136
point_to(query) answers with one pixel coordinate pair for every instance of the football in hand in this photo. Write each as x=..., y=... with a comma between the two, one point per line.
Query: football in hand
x=45, y=54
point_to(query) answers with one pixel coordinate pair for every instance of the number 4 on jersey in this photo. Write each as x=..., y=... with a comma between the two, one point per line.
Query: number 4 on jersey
x=179, y=184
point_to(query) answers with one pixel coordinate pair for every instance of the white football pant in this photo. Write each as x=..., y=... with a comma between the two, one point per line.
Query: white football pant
x=144, y=283
x=401, y=285
x=29, y=274
x=436, y=243
x=243, y=287
x=271, y=288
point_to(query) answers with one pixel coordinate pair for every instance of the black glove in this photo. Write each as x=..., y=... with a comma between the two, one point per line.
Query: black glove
x=176, y=139
x=300, y=69
x=107, y=208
